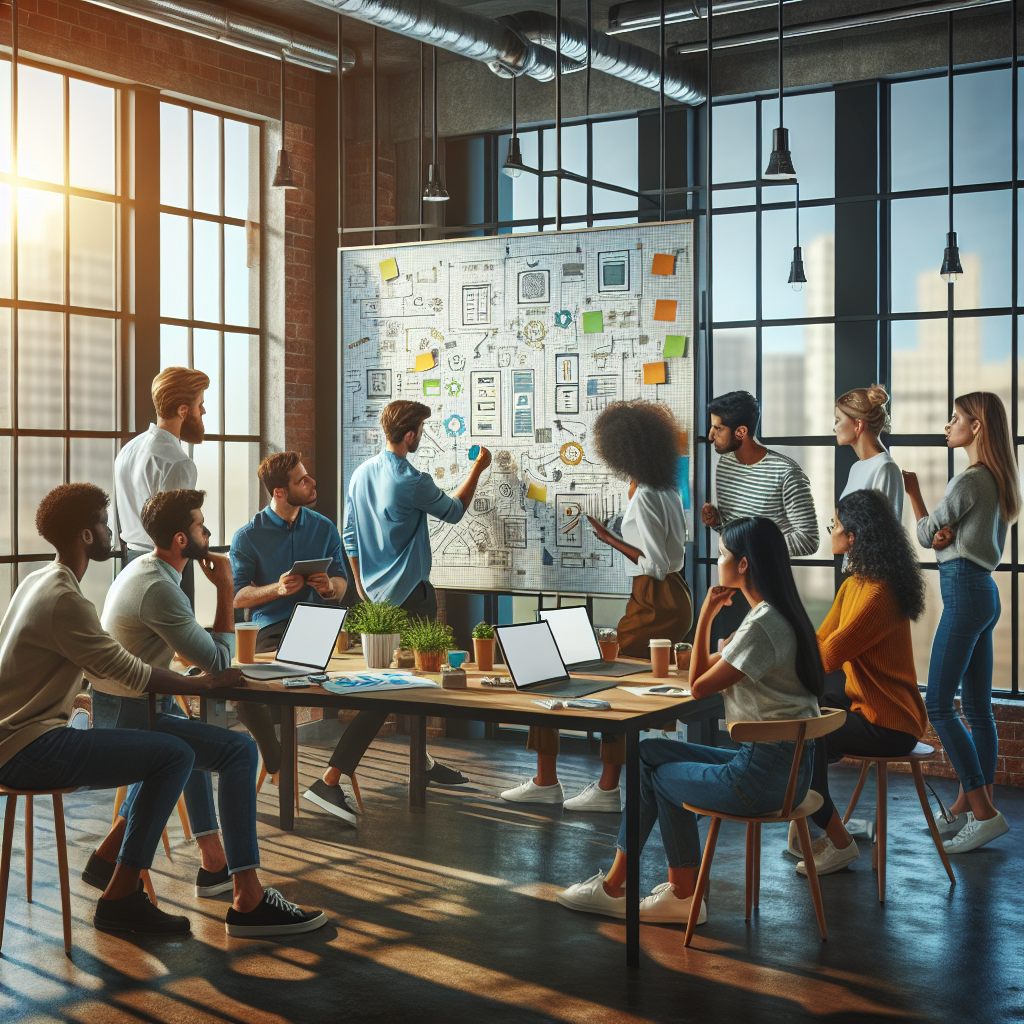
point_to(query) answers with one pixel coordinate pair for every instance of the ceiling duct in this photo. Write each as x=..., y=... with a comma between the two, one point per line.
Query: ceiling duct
x=640, y=14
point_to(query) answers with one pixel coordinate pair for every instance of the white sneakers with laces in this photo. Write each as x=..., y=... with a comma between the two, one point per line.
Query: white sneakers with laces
x=530, y=793
x=589, y=897
x=948, y=829
x=664, y=907
x=596, y=800
x=827, y=859
x=975, y=833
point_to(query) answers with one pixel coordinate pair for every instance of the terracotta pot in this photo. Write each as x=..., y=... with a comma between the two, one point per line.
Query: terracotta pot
x=378, y=648
x=609, y=649
x=342, y=645
x=429, y=661
x=483, y=653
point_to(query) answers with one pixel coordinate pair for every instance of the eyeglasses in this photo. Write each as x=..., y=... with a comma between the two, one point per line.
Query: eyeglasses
x=831, y=525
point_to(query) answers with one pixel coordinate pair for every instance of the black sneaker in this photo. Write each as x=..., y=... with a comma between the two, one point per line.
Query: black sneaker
x=136, y=914
x=332, y=799
x=212, y=883
x=441, y=775
x=274, y=916
x=98, y=872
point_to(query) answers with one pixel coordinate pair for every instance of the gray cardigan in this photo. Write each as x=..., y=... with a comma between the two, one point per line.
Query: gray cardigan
x=970, y=507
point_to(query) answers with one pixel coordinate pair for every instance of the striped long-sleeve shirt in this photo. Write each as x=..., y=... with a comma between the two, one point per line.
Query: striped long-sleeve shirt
x=775, y=487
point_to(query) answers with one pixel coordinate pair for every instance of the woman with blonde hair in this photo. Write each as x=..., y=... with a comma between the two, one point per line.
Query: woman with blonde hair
x=968, y=530
x=861, y=417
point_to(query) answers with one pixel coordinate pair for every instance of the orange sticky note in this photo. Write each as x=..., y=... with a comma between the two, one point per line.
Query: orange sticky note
x=663, y=264
x=665, y=309
x=654, y=373
x=425, y=362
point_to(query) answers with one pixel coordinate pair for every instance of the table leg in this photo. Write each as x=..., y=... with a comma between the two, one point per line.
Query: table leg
x=633, y=848
x=287, y=778
x=418, y=764
x=204, y=713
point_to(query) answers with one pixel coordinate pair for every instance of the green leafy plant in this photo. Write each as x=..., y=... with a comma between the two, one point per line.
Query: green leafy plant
x=376, y=618
x=428, y=636
x=482, y=631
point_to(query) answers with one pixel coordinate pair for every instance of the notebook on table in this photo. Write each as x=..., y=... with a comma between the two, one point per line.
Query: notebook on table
x=578, y=646
x=306, y=644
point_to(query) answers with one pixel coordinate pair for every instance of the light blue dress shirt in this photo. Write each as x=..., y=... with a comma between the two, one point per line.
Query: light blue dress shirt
x=386, y=524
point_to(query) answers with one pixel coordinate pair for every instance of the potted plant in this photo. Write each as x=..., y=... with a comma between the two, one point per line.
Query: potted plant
x=430, y=640
x=380, y=623
x=483, y=646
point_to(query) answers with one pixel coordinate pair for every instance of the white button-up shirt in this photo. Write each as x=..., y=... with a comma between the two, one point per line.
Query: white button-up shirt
x=654, y=523
x=147, y=464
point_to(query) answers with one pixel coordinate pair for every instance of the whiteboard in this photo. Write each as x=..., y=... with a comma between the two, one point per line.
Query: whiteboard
x=517, y=342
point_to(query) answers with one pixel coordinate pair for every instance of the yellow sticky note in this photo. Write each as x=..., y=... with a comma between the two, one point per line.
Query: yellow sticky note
x=654, y=373
x=388, y=269
x=425, y=362
x=536, y=493
x=663, y=264
x=665, y=309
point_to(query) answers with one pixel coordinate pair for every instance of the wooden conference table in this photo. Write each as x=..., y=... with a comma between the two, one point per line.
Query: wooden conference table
x=629, y=714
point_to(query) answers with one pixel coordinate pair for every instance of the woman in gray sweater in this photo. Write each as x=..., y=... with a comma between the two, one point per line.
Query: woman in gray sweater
x=968, y=530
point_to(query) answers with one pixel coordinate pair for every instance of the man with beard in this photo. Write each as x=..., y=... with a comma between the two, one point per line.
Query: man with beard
x=147, y=613
x=154, y=461
x=388, y=547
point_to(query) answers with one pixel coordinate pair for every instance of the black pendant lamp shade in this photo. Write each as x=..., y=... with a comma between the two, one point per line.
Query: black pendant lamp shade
x=513, y=165
x=283, y=174
x=780, y=164
x=797, y=277
x=951, y=268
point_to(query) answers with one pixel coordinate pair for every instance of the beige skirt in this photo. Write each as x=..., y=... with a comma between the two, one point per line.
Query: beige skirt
x=657, y=609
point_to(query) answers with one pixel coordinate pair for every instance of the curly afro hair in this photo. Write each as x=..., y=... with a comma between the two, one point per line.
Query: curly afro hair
x=639, y=441
x=68, y=510
x=881, y=549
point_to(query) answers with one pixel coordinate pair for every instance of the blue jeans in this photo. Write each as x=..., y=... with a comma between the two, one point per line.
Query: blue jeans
x=233, y=755
x=104, y=759
x=962, y=659
x=751, y=780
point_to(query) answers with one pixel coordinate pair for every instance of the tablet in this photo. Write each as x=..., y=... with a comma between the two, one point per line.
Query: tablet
x=310, y=567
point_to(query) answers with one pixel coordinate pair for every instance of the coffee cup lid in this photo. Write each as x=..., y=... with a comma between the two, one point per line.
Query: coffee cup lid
x=660, y=643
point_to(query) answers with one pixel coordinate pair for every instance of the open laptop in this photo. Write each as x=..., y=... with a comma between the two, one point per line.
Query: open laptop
x=578, y=645
x=306, y=644
x=533, y=662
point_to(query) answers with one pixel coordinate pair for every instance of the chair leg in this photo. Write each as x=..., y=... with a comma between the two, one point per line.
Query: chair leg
x=5, y=859
x=62, y=868
x=883, y=798
x=183, y=816
x=812, y=876
x=29, y=854
x=702, y=878
x=858, y=789
x=147, y=884
x=355, y=790
x=750, y=869
x=757, y=864
x=167, y=847
x=122, y=793
x=262, y=776
x=915, y=767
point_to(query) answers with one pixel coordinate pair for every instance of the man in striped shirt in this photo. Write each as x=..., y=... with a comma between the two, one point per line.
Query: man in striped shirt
x=752, y=480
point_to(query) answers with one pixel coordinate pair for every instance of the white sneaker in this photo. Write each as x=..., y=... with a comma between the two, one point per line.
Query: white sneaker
x=530, y=793
x=664, y=907
x=593, y=798
x=976, y=833
x=827, y=859
x=793, y=845
x=948, y=829
x=590, y=898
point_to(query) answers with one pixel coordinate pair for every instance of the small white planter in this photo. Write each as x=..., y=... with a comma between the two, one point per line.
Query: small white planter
x=379, y=648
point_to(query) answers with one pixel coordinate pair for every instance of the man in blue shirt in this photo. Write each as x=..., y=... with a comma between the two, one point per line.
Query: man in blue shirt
x=388, y=547
x=262, y=553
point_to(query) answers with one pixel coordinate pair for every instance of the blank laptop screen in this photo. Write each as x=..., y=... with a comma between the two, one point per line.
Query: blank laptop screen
x=310, y=636
x=573, y=634
x=531, y=653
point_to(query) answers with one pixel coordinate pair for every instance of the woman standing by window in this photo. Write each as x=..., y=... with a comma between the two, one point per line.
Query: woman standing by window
x=968, y=530
x=861, y=417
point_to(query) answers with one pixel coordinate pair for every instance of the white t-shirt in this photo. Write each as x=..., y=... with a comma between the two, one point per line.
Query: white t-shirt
x=764, y=650
x=879, y=473
x=654, y=523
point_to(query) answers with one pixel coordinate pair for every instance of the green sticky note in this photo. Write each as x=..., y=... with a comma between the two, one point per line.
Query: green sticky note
x=431, y=388
x=675, y=345
x=593, y=323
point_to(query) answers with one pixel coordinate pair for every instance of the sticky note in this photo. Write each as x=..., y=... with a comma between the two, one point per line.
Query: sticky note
x=389, y=269
x=474, y=453
x=665, y=309
x=536, y=493
x=425, y=362
x=431, y=388
x=675, y=345
x=654, y=373
x=663, y=264
x=593, y=323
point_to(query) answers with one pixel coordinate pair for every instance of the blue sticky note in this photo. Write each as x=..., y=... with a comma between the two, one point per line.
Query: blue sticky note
x=683, y=479
x=474, y=453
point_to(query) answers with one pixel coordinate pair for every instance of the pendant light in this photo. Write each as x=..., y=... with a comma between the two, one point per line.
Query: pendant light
x=513, y=165
x=780, y=164
x=797, y=277
x=951, y=268
x=283, y=174
x=435, y=192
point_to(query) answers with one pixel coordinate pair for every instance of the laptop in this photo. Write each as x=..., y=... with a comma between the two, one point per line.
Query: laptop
x=306, y=644
x=578, y=645
x=533, y=662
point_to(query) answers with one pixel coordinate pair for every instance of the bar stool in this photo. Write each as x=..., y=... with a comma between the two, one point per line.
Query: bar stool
x=62, y=852
x=922, y=752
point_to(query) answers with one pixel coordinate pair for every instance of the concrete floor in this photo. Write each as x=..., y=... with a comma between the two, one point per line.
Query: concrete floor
x=449, y=916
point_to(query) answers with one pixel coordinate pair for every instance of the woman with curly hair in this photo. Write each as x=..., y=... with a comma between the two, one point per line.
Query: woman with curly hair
x=867, y=634
x=639, y=442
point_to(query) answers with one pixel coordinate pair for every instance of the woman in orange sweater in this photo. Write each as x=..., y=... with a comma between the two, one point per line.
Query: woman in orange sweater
x=867, y=634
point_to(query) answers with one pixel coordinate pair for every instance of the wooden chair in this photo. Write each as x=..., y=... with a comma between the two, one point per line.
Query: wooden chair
x=62, y=852
x=922, y=752
x=797, y=731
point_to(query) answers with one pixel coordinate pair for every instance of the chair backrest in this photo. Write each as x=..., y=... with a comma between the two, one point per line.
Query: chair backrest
x=791, y=730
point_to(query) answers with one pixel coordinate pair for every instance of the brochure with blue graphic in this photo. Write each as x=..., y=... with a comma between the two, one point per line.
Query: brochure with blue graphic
x=368, y=682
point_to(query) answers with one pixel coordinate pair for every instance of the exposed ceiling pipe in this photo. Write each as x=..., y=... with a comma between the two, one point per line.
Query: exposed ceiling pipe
x=812, y=28
x=212, y=21
x=641, y=14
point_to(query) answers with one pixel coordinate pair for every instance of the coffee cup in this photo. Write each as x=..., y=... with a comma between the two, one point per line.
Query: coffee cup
x=660, y=653
x=456, y=658
x=245, y=642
